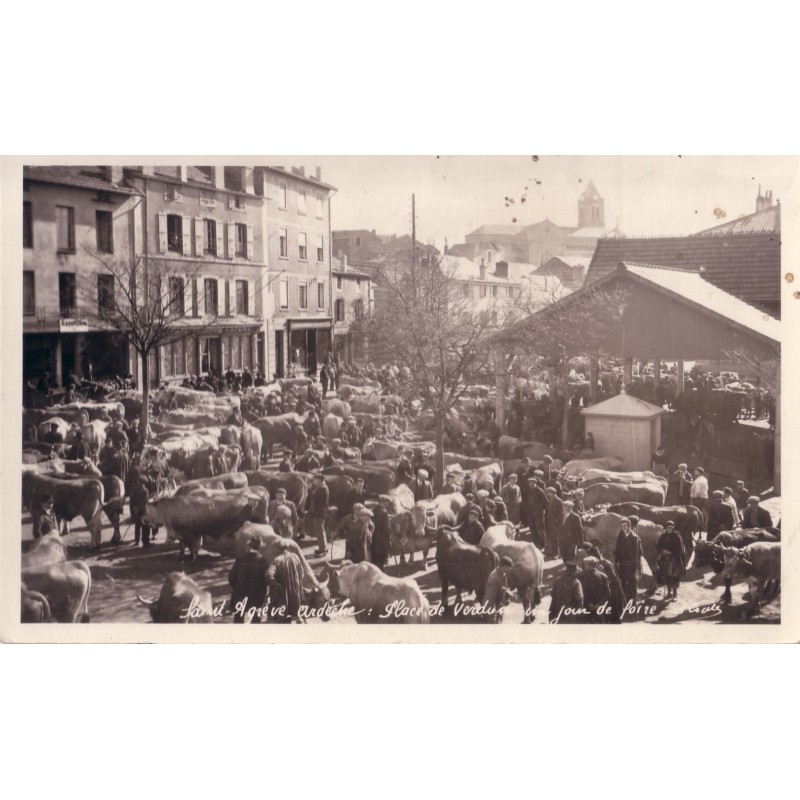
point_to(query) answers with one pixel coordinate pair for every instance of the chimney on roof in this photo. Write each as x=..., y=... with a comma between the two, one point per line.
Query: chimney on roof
x=344, y=262
x=373, y=231
x=501, y=269
x=301, y=171
x=318, y=173
x=482, y=272
x=765, y=202
x=113, y=174
x=446, y=246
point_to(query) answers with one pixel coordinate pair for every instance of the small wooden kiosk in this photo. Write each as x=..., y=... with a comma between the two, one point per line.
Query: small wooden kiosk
x=627, y=427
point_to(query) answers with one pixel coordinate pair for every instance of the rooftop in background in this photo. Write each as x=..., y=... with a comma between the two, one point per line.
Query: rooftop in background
x=92, y=178
x=767, y=220
x=623, y=405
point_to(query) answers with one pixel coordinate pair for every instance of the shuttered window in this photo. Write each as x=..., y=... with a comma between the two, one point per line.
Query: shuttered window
x=242, y=304
x=210, y=237
x=241, y=240
x=28, y=293
x=65, y=228
x=283, y=292
x=105, y=231
x=210, y=289
x=105, y=293
x=284, y=241
x=302, y=246
x=321, y=294
x=174, y=233
x=176, y=295
x=301, y=202
x=320, y=249
x=303, y=295
x=27, y=224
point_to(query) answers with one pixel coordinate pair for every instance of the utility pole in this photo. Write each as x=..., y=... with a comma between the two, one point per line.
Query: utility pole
x=414, y=229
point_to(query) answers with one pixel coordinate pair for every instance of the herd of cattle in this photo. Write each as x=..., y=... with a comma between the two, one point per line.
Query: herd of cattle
x=219, y=487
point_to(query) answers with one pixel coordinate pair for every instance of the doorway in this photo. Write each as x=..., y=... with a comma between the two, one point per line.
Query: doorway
x=210, y=354
x=279, y=365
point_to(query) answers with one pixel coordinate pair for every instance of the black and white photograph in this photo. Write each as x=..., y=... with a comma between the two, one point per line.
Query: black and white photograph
x=339, y=391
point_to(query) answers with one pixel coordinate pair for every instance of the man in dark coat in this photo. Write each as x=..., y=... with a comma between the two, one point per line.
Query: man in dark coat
x=567, y=594
x=357, y=495
x=450, y=486
x=555, y=520
x=53, y=436
x=754, y=516
x=44, y=521
x=535, y=505
x=596, y=591
x=473, y=530
x=422, y=487
x=247, y=378
x=280, y=500
x=571, y=534
x=358, y=530
x=404, y=472
x=79, y=449
x=671, y=559
x=614, y=583
x=381, y=544
x=324, y=380
x=248, y=577
x=628, y=557
x=719, y=515
x=317, y=511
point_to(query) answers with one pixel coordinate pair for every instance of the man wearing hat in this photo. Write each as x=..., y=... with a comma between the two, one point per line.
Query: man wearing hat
x=358, y=494
x=727, y=497
x=422, y=487
x=280, y=502
x=497, y=592
x=754, y=516
x=79, y=449
x=577, y=500
x=512, y=497
x=462, y=518
x=354, y=434
x=473, y=530
x=628, y=557
x=719, y=515
x=44, y=519
x=536, y=510
x=358, y=529
x=671, y=559
x=381, y=535
x=318, y=499
x=555, y=521
x=404, y=472
x=547, y=468
x=742, y=494
x=567, y=593
x=571, y=534
x=681, y=485
x=609, y=570
x=248, y=579
x=596, y=591
x=698, y=493
x=53, y=436
x=450, y=486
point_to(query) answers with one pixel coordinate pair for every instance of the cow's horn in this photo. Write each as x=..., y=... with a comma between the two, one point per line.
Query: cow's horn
x=330, y=566
x=146, y=602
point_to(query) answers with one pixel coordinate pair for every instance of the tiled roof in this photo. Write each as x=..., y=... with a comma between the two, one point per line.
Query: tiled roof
x=747, y=266
x=92, y=178
x=693, y=287
x=766, y=221
x=623, y=405
x=589, y=233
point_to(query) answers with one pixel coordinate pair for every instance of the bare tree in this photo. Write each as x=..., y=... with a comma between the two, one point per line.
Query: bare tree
x=149, y=301
x=430, y=326
x=586, y=327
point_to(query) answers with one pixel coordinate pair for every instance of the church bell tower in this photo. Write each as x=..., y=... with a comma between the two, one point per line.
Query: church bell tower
x=591, y=208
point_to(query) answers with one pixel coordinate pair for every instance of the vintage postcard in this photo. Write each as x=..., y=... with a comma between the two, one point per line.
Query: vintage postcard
x=400, y=399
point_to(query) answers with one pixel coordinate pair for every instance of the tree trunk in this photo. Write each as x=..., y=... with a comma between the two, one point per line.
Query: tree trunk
x=439, y=451
x=144, y=420
x=565, y=421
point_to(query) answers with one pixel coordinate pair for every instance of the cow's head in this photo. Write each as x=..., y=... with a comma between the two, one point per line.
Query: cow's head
x=421, y=518
x=339, y=582
x=318, y=596
x=736, y=563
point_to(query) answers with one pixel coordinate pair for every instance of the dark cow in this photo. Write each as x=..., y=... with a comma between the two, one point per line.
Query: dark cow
x=760, y=564
x=205, y=513
x=181, y=600
x=66, y=585
x=463, y=565
x=82, y=497
x=377, y=479
x=340, y=488
x=113, y=503
x=229, y=480
x=688, y=519
x=296, y=485
x=278, y=430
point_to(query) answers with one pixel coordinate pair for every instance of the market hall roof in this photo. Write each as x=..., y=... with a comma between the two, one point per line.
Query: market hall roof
x=746, y=264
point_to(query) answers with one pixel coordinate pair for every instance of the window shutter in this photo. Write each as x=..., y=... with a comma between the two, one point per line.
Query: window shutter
x=187, y=235
x=162, y=233
x=231, y=239
x=187, y=297
x=220, y=296
x=250, y=240
x=197, y=298
x=232, y=297
x=220, y=239
x=251, y=298
x=198, y=236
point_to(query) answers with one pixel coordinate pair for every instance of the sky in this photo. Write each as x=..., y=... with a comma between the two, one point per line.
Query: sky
x=644, y=195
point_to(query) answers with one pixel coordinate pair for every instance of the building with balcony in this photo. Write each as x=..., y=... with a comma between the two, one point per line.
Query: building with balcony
x=297, y=242
x=73, y=219
x=353, y=297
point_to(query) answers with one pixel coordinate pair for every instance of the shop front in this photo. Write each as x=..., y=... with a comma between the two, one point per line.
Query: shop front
x=309, y=342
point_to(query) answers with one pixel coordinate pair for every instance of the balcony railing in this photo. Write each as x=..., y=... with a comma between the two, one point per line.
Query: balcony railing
x=50, y=315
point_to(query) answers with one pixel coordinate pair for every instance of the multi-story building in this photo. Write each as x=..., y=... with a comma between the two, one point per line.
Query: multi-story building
x=73, y=218
x=353, y=296
x=205, y=226
x=298, y=250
